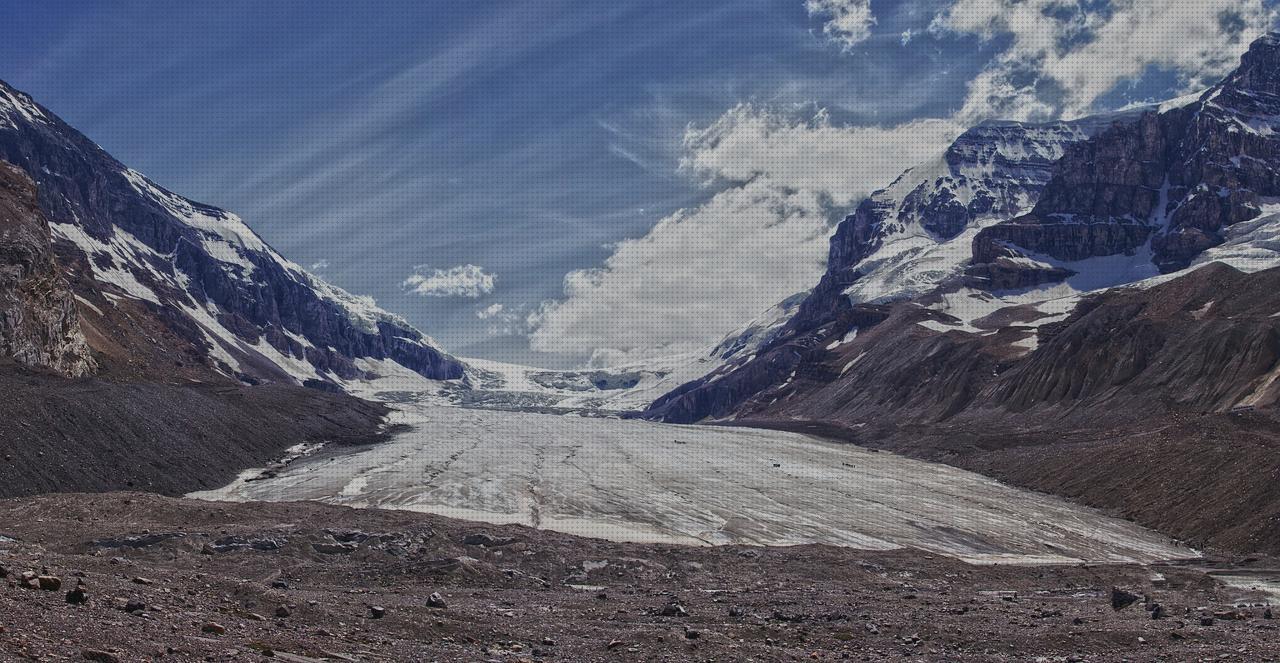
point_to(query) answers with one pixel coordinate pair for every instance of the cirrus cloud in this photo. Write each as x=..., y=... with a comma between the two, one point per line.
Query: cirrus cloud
x=469, y=281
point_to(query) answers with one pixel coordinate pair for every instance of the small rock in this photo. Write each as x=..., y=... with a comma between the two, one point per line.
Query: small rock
x=143, y=581
x=485, y=540
x=49, y=583
x=1206, y=621
x=1157, y=611
x=436, y=601
x=674, y=610
x=78, y=596
x=280, y=583
x=1266, y=614
x=283, y=611
x=214, y=628
x=137, y=541
x=28, y=580
x=692, y=634
x=99, y=656
x=614, y=644
x=548, y=642
x=334, y=548
x=377, y=612
x=236, y=543
x=1121, y=599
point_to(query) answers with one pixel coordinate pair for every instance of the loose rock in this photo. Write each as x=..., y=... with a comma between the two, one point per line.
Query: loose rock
x=1121, y=599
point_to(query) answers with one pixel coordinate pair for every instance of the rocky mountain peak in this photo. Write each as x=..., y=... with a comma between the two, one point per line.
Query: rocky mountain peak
x=1169, y=186
x=1259, y=69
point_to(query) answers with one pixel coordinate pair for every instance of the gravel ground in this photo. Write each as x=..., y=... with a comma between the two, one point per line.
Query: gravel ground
x=174, y=579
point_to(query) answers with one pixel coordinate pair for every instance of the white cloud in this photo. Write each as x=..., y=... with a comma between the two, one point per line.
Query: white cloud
x=319, y=265
x=461, y=281
x=848, y=21
x=703, y=272
x=490, y=311
x=1065, y=55
x=810, y=153
x=698, y=274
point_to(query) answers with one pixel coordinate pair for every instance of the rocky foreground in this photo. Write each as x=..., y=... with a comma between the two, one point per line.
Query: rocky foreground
x=130, y=577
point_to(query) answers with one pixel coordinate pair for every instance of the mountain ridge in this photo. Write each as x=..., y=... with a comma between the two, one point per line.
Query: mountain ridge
x=242, y=308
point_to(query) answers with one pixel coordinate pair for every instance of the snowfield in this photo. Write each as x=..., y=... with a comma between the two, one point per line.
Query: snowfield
x=629, y=480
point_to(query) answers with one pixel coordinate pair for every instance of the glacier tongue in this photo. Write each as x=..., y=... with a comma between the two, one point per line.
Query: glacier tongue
x=640, y=481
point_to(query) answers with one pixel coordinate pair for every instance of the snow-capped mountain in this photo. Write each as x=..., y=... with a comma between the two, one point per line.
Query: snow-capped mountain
x=903, y=241
x=1004, y=241
x=166, y=284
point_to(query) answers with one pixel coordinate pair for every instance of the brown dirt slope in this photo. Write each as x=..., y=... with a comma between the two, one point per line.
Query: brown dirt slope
x=58, y=434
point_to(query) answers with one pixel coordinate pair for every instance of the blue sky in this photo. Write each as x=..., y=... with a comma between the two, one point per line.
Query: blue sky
x=458, y=160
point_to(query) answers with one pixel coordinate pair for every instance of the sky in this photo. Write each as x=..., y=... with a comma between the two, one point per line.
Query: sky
x=559, y=183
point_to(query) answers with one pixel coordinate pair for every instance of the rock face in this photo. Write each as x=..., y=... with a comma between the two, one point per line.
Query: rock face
x=1169, y=184
x=39, y=324
x=231, y=302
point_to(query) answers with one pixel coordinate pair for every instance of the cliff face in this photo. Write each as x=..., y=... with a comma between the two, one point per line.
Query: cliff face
x=194, y=272
x=39, y=323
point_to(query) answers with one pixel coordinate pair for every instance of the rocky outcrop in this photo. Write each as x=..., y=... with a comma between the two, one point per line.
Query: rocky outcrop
x=1170, y=183
x=39, y=324
x=199, y=270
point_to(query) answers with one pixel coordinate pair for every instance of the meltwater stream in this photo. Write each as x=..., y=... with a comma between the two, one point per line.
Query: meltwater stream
x=631, y=480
